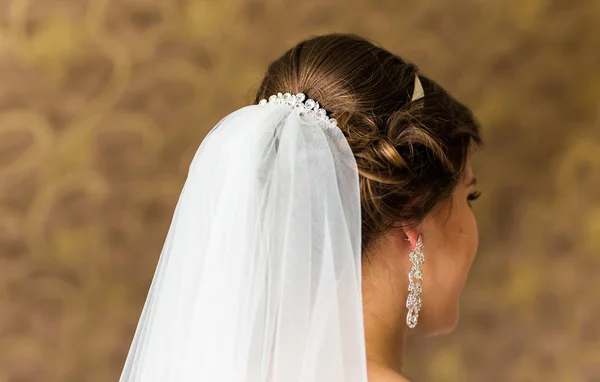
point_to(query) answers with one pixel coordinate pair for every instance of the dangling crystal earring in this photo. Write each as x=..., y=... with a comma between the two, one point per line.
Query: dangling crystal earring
x=415, y=277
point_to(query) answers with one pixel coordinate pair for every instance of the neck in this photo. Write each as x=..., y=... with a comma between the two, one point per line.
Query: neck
x=385, y=344
x=384, y=298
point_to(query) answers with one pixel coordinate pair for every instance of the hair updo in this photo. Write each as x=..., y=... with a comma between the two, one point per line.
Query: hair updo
x=410, y=154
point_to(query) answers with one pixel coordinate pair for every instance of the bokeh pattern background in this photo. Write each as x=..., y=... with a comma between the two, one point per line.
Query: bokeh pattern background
x=104, y=102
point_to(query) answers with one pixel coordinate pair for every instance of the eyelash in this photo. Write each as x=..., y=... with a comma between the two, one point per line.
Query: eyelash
x=473, y=197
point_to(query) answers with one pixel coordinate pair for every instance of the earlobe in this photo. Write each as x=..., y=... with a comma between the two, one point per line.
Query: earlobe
x=412, y=235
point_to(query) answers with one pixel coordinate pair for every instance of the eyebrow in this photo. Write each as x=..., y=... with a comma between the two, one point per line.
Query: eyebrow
x=472, y=182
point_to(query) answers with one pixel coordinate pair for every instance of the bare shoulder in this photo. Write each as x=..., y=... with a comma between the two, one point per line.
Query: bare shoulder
x=385, y=375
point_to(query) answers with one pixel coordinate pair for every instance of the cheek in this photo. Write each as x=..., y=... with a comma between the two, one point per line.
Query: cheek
x=464, y=247
x=472, y=235
x=449, y=268
x=465, y=253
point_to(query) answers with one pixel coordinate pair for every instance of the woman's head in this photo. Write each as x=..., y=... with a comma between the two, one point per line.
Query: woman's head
x=412, y=157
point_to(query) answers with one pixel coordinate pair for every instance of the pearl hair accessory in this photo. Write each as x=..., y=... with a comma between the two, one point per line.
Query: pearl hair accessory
x=309, y=107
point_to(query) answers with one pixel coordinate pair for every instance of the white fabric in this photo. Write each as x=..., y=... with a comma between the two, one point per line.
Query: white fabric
x=418, y=92
x=259, y=279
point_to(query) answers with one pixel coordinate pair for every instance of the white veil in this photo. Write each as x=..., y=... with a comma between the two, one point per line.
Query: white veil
x=259, y=279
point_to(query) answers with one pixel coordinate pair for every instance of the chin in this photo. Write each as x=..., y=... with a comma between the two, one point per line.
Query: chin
x=449, y=327
x=450, y=321
x=444, y=323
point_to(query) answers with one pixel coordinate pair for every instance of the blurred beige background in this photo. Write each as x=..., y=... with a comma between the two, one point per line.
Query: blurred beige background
x=103, y=103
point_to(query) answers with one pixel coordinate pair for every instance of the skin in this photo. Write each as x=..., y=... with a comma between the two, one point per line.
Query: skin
x=450, y=241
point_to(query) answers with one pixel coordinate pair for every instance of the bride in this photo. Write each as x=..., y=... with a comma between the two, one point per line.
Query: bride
x=317, y=229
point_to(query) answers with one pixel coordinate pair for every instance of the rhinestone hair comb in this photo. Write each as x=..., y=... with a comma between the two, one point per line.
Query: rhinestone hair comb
x=309, y=107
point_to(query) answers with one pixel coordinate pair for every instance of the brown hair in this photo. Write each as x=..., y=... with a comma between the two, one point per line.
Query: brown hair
x=410, y=155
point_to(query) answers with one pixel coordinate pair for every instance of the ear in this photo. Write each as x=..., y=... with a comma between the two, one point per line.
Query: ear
x=412, y=236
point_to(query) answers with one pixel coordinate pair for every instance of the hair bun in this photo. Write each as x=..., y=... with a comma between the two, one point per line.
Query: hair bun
x=410, y=152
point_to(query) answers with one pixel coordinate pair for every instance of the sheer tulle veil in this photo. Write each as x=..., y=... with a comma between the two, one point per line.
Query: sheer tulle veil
x=259, y=279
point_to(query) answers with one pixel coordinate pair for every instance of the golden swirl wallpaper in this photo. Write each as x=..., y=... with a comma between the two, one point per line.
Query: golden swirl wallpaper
x=104, y=102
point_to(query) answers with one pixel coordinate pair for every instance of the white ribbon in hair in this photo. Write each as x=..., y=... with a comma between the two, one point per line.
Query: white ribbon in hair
x=418, y=92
